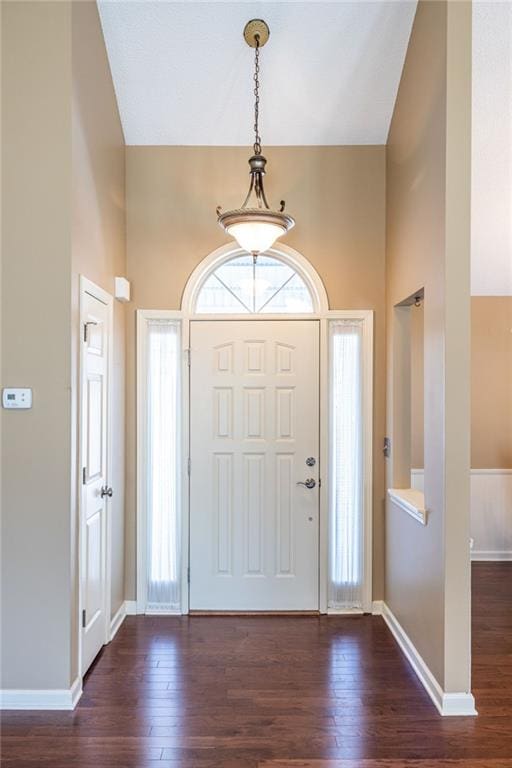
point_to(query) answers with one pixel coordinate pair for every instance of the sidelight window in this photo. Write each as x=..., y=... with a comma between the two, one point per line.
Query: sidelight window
x=346, y=466
x=162, y=452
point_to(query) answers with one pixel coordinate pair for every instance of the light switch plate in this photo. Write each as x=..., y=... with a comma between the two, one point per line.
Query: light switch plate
x=17, y=397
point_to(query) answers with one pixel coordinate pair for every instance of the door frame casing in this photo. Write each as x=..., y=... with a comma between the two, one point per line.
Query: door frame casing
x=184, y=319
x=87, y=286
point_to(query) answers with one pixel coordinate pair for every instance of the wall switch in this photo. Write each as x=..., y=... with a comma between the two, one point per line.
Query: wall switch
x=17, y=397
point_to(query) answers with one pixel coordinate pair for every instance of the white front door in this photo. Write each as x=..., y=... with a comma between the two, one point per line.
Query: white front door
x=254, y=433
x=93, y=426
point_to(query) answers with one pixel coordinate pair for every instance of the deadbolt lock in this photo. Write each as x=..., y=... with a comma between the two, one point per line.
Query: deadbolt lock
x=310, y=462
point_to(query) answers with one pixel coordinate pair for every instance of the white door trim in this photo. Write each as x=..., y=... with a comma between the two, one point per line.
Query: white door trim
x=87, y=286
x=366, y=316
x=184, y=317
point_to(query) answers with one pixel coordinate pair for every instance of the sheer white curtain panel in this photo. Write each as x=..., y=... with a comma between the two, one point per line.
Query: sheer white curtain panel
x=346, y=471
x=163, y=529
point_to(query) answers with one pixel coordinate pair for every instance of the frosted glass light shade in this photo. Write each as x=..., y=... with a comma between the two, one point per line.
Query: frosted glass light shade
x=255, y=229
x=255, y=236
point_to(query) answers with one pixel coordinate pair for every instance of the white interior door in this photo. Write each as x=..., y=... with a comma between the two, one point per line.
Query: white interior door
x=95, y=315
x=254, y=425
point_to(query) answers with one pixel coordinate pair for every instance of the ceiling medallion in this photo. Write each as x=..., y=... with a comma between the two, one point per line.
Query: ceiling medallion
x=255, y=226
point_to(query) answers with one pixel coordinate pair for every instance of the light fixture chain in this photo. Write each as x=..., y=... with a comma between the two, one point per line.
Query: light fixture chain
x=255, y=225
x=257, y=137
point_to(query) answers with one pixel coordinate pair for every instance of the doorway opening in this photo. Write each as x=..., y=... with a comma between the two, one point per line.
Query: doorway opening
x=254, y=444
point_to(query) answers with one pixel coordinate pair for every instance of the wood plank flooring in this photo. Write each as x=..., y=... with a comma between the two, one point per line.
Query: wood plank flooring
x=275, y=692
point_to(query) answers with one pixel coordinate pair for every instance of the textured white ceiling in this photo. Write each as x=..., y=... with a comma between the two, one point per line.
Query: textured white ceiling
x=491, y=214
x=183, y=74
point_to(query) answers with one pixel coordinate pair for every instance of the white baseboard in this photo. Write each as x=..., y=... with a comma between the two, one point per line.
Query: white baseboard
x=131, y=607
x=491, y=557
x=156, y=612
x=65, y=698
x=448, y=704
x=458, y=705
x=117, y=620
x=127, y=608
x=377, y=607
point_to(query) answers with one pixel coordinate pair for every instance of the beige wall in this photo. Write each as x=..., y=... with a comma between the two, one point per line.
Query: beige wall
x=36, y=344
x=62, y=212
x=428, y=245
x=337, y=197
x=491, y=382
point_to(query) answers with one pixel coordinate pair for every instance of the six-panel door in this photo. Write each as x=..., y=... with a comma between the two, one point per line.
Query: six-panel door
x=94, y=477
x=254, y=422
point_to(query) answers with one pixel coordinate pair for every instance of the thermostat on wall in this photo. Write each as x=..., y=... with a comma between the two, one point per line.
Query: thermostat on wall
x=17, y=397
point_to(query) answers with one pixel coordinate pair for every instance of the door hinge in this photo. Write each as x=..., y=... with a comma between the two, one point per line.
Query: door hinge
x=386, y=448
x=188, y=575
x=84, y=474
x=84, y=615
x=188, y=357
x=189, y=465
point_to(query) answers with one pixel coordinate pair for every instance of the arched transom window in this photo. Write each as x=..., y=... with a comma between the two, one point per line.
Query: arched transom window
x=241, y=285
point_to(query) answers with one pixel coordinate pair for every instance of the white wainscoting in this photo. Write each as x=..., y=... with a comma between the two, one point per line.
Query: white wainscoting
x=418, y=479
x=491, y=512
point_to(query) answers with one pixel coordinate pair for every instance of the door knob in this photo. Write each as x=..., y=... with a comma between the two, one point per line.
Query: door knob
x=106, y=491
x=309, y=483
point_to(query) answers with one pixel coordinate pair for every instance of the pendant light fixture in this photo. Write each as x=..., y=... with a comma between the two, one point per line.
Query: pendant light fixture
x=255, y=226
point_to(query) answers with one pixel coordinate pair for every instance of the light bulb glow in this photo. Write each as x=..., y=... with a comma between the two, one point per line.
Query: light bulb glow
x=255, y=236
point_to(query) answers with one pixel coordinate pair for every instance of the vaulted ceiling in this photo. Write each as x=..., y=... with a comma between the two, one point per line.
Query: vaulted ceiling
x=183, y=73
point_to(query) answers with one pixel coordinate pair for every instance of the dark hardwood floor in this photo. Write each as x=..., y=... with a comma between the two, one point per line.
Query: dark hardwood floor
x=212, y=692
